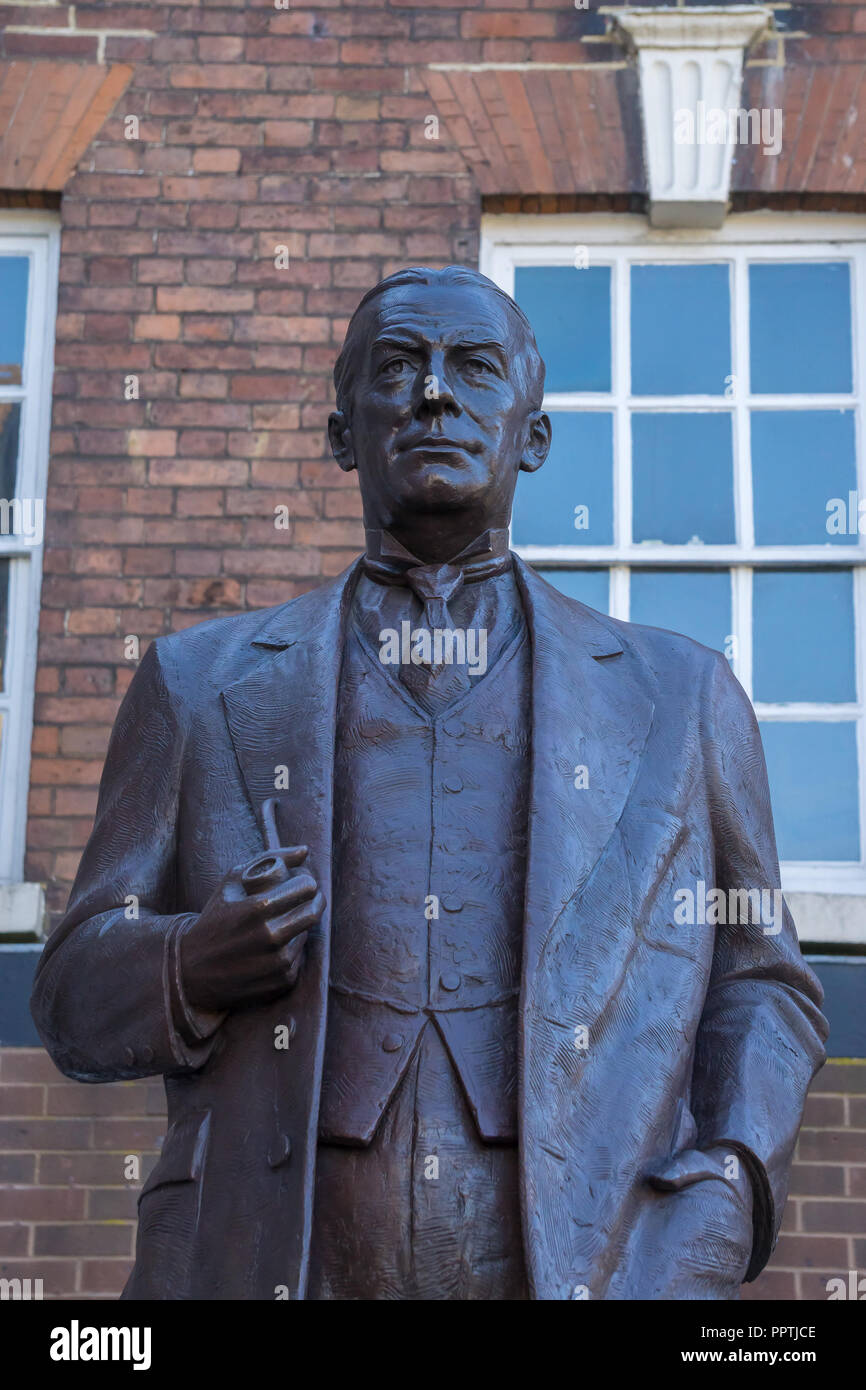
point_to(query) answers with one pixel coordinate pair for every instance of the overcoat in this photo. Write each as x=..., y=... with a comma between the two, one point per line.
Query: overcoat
x=640, y=1034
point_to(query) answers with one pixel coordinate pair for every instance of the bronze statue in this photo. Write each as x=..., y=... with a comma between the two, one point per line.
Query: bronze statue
x=388, y=882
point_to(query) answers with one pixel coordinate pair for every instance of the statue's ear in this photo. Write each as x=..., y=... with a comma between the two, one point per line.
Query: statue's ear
x=538, y=437
x=340, y=440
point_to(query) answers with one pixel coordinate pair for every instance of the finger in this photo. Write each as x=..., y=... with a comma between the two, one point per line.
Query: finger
x=283, y=896
x=283, y=929
x=290, y=954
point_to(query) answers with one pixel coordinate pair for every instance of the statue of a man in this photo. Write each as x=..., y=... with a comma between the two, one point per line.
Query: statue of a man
x=452, y=1035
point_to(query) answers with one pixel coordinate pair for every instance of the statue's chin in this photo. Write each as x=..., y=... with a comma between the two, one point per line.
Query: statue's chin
x=442, y=486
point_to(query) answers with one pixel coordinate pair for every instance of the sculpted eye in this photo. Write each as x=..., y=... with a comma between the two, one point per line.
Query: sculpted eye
x=395, y=366
x=478, y=364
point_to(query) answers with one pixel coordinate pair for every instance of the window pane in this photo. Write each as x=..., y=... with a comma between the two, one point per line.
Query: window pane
x=591, y=587
x=801, y=460
x=4, y=620
x=570, y=313
x=695, y=602
x=813, y=786
x=569, y=501
x=680, y=330
x=804, y=635
x=683, y=478
x=10, y=420
x=800, y=327
x=14, y=271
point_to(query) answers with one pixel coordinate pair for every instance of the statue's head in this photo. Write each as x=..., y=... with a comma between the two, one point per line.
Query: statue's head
x=439, y=389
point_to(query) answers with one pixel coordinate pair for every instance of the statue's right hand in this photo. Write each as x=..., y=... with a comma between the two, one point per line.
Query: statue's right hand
x=246, y=946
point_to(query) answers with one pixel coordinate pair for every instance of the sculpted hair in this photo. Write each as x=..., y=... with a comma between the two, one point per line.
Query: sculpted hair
x=529, y=367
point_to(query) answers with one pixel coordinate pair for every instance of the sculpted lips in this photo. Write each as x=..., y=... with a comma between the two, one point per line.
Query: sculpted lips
x=434, y=442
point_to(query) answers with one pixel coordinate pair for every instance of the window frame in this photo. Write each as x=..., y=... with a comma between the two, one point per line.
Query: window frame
x=509, y=241
x=35, y=235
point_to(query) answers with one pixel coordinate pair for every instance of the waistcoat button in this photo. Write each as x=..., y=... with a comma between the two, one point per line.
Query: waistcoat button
x=392, y=1042
x=450, y=980
x=453, y=728
x=452, y=903
x=453, y=784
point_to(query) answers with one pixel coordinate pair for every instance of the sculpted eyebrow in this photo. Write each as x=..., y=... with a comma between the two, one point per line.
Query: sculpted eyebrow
x=404, y=344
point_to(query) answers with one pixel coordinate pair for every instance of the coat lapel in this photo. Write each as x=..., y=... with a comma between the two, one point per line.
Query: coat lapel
x=592, y=713
x=282, y=715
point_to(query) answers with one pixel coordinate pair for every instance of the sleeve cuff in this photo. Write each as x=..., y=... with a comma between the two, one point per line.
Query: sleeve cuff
x=194, y=1027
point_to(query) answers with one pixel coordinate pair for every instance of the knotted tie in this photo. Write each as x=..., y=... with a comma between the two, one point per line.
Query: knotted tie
x=437, y=683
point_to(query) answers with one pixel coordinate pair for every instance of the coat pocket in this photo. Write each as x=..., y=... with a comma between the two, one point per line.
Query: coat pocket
x=169, y=1209
x=183, y=1152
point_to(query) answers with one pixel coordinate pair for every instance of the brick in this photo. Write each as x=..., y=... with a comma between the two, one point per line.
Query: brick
x=105, y=1277
x=847, y=1218
x=842, y=1077
x=192, y=300
x=17, y=1168
x=817, y=1180
x=161, y=326
x=811, y=1252
x=14, y=1240
x=771, y=1284
x=22, y=1100
x=23, y=1064
x=83, y=1238
x=42, y=1203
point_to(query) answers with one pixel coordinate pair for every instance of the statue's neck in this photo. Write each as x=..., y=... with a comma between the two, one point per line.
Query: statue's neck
x=435, y=540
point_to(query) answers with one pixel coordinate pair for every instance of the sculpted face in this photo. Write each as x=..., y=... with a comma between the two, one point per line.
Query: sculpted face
x=440, y=421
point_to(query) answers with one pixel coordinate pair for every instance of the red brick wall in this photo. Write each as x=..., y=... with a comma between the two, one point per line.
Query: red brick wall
x=67, y=1216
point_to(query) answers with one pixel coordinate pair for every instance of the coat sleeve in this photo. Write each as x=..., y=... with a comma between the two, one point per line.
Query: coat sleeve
x=762, y=1034
x=107, y=998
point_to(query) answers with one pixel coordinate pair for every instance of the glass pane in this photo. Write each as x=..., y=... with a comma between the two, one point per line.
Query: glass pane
x=803, y=468
x=570, y=313
x=683, y=478
x=813, y=786
x=591, y=587
x=569, y=501
x=695, y=602
x=800, y=327
x=14, y=272
x=680, y=330
x=4, y=619
x=804, y=635
x=10, y=422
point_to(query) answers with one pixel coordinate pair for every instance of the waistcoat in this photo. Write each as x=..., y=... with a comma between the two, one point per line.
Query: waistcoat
x=428, y=885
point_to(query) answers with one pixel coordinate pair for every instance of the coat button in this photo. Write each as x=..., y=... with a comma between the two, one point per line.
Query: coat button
x=450, y=980
x=392, y=1042
x=453, y=784
x=453, y=728
x=147, y=1055
x=280, y=1151
x=129, y=1056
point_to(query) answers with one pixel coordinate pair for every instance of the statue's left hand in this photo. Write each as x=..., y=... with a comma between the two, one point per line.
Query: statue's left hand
x=692, y=1237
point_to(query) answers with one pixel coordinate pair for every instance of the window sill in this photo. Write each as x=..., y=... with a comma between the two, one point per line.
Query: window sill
x=837, y=919
x=22, y=912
